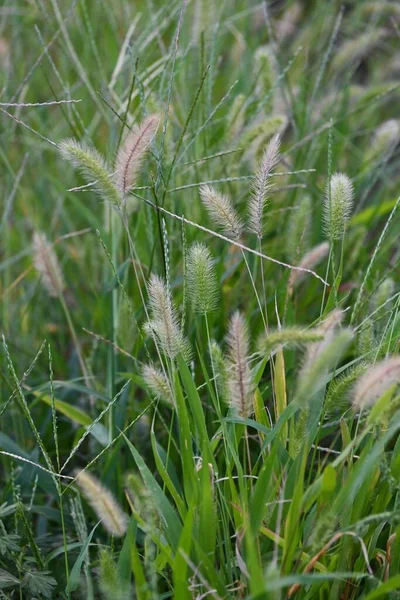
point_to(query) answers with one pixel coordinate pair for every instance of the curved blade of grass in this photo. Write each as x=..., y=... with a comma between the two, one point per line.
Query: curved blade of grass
x=173, y=526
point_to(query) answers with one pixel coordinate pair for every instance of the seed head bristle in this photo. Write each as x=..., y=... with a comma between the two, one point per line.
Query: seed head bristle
x=164, y=325
x=158, y=383
x=222, y=211
x=47, y=265
x=132, y=152
x=262, y=186
x=240, y=384
x=376, y=381
x=338, y=203
x=113, y=518
x=202, y=284
x=94, y=168
x=289, y=336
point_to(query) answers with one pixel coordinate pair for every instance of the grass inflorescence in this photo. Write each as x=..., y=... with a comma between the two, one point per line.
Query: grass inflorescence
x=199, y=280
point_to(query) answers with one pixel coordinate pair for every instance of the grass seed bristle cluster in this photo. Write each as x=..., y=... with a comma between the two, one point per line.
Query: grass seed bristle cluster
x=107, y=509
x=47, y=265
x=94, y=168
x=200, y=218
x=222, y=211
x=240, y=384
x=132, y=152
x=202, y=281
x=375, y=382
x=163, y=325
x=158, y=383
x=338, y=204
x=262, y=186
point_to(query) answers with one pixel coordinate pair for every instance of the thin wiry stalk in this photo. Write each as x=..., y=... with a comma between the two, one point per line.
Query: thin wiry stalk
x=235, y=242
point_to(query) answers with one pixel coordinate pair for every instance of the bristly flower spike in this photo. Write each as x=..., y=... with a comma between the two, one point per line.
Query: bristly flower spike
x=376, y=381
x=94, y=168
x=164, y=325
x=222, y=211
x=240, y=384
x=113, y=518
x=132, y=152
x=262, y=186
x=202, y=284
x=47, y=265
x=158, y=383
x=338, y=204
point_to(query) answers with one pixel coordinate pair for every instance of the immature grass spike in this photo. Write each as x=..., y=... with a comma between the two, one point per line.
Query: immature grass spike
x=290, y=336
x=202, y=284
x=222, y=211
x=376, y=381
x=385, y=139
x=132, y=152
x=164, y=325
x=157, y=382
x=266, y=73
x=240, y=384
x=94, y=168
x=103, y=503
x=46, y=264
x=338, y=203
x=262, y=186
x=327, y=329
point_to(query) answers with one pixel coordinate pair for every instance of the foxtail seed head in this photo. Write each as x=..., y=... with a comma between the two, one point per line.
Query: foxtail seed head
x=113, y=518
x=338, y=204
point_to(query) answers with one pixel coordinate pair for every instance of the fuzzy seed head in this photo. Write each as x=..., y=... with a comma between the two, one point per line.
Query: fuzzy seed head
x=202, y=284
x=131, y=154
x=164, y=325
x=158, y=383
x=338, y=204
x=262, y=186
x=265, y=70
x=240, y=383
x=376, y=381
x=357, y=48
x=113, y=518
x=291, y=337
x=254, y=137
x=222, y=211
x=93, y=167
x=320, y=358
x=47, y=265
x=310, y=260
x=386, y=138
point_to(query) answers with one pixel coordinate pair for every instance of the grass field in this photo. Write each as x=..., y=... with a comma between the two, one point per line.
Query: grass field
x=199, y=280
